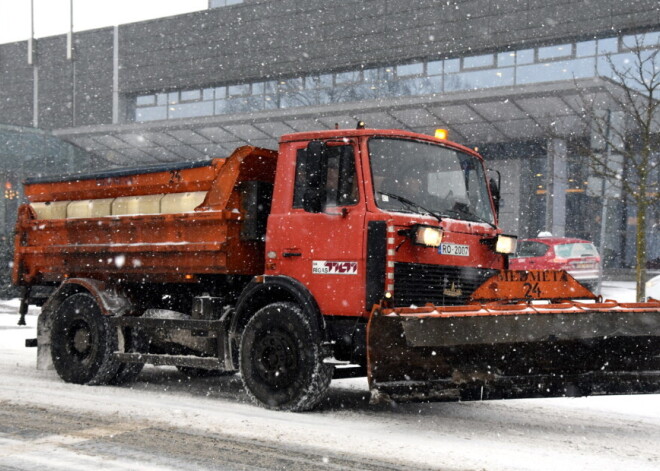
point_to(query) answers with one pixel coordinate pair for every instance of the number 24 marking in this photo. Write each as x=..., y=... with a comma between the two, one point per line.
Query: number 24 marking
x=531, y=290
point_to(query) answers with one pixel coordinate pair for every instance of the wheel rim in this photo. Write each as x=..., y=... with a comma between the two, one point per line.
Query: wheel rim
x=276, y=359
x=80, y=341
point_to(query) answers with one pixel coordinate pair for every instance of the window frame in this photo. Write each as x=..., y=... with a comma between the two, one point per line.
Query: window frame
x=299, y=186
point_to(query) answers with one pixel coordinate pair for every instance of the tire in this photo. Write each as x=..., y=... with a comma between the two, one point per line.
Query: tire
x=82, y=342
x=281, y=361
x=192, y=372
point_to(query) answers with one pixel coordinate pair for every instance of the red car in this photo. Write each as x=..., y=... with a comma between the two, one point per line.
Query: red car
x=578, y=257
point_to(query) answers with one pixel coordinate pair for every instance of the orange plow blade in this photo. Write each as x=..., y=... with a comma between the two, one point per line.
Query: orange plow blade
x=514, y=348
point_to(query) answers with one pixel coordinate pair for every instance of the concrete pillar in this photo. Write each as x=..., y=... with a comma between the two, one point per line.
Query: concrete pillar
x=115, y=75
x=555, y=214
x=510, y=170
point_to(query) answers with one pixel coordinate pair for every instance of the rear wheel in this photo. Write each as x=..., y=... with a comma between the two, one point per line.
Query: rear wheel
x=82, y=342
x=281, y=362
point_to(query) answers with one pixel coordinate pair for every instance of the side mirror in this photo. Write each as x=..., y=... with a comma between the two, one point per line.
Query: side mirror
x=316, y=174
x=494, y=186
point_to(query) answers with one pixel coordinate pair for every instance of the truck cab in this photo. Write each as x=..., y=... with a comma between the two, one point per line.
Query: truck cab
x=360, y=215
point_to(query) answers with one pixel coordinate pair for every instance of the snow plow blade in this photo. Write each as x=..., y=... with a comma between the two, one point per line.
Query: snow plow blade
x=528, y=343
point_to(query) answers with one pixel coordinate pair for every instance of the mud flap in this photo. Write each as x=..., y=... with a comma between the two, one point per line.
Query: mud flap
x=491, y=351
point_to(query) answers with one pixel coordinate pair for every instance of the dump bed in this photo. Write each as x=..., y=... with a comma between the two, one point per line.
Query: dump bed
x=169, y=223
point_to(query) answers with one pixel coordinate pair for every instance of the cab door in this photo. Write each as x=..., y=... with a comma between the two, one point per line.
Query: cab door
x=323, y=246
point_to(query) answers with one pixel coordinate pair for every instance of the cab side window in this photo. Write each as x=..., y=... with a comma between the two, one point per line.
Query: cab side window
x=340, y=183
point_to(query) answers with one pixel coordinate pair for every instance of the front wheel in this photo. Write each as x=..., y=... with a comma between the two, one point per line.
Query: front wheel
x=281, y=361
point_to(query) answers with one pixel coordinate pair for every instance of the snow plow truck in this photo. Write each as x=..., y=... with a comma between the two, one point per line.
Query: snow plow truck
x=343, y=253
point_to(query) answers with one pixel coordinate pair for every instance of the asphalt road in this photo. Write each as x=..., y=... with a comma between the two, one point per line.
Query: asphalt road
x=49, y=439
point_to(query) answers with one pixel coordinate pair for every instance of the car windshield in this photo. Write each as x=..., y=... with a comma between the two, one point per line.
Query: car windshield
x=576, y=250
x=416, y=176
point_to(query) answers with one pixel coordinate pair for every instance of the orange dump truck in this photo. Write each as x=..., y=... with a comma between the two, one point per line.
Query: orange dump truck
x=345, y=252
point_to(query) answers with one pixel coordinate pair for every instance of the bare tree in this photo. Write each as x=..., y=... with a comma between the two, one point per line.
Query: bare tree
x=624, y=152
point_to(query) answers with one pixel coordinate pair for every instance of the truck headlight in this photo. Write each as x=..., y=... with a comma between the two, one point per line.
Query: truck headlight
x=506, y=244
x=428, y=236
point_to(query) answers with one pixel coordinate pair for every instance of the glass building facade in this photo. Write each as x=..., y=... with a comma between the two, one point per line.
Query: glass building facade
x=26, y=152
x=566, y=61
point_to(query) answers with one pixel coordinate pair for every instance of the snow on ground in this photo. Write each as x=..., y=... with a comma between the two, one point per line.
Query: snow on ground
x=622, y=291
x=596, y=433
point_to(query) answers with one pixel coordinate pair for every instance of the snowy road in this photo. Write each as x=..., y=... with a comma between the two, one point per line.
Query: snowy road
x=167, y=422
x=53, y=439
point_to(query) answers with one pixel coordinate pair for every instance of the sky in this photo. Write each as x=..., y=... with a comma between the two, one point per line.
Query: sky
x=51, y=17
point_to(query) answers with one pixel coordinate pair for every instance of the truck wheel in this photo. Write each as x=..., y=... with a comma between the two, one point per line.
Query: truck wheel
x=82, y=342
x=281, y=362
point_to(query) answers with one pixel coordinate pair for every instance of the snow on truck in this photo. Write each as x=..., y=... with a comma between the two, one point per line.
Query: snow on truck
x=345, y=252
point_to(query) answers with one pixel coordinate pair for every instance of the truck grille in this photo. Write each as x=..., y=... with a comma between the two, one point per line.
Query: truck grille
x=441, y=285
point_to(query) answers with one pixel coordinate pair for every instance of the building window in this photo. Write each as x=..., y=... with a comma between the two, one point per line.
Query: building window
x=641, y=41
x=348, y=77
x=525, y=57
x=239, y=90
x=475, y=62
x=506, y=59
x=173, y=98
x=207, y=94
x=410, y=69
x=146, y=100
x=608, y=46
x=223, y=3
x=585, y=48
x=554, y=52
x=452, y=65
x=434, y=68
x=191, y=95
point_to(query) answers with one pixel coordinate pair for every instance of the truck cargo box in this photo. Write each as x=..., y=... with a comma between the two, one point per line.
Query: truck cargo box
x=166, y=223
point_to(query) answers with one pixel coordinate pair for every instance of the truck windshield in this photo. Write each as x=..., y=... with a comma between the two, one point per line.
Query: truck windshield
x=416, y=176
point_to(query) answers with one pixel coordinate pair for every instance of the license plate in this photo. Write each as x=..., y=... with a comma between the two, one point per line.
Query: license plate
x=584, y=265
x=454, y=249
